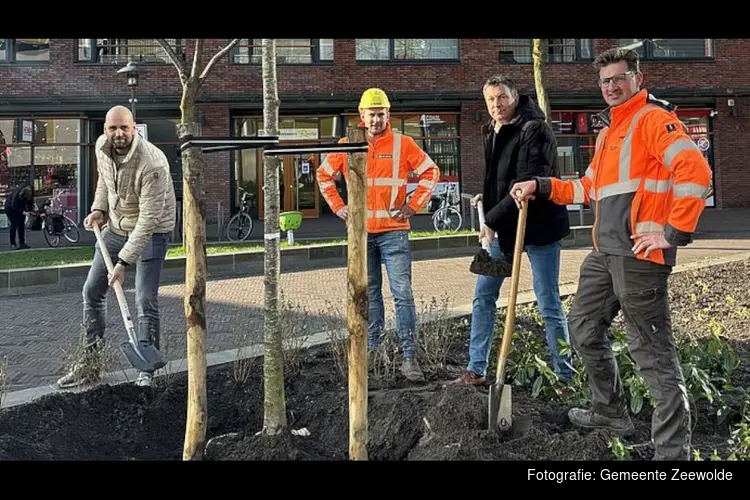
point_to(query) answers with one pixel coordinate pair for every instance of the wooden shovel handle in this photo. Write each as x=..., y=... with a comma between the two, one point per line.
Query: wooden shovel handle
x=510, y=317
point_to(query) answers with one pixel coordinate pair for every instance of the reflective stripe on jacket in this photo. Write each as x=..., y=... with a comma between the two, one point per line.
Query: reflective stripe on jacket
x=390, y=160
x=647, y=175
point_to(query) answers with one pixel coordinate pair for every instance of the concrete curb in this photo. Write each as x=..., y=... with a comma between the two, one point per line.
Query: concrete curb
x=255, y=350
x=14, y=282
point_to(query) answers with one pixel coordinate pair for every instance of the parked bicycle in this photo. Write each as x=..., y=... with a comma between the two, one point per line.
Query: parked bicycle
x=445, y=208
x=241, y=224
x=54, y=223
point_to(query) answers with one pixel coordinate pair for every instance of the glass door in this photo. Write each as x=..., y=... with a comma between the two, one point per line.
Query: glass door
x=300, y=190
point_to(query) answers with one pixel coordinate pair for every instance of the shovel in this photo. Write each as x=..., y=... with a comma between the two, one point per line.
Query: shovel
x=483, y=262
x=145, y=358
x=500, y=403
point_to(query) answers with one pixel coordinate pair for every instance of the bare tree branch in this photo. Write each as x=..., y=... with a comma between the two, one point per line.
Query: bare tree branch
x=218, y=55
x=639, y=43
x=176, y=60
x=197, y=56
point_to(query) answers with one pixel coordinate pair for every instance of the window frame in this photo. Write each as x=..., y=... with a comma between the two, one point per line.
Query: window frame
x=392, y=60
x=314, y=55
x=179, y=47
x=579, y=59
x=648, y=52
x=10, y=54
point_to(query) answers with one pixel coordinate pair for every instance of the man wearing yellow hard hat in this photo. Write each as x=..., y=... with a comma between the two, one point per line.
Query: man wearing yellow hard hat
x=392, y=158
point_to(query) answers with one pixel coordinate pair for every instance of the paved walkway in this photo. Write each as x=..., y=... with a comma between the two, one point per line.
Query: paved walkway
x=37, y=331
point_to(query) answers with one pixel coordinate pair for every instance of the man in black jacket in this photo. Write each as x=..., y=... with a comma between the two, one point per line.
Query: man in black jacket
x=518, y=145
x=18, y=204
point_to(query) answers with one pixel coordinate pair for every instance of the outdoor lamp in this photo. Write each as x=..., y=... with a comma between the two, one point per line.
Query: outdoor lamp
x=131, y=71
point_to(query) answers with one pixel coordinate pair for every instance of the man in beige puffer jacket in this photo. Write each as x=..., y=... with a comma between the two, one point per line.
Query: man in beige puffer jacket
x=135, y=198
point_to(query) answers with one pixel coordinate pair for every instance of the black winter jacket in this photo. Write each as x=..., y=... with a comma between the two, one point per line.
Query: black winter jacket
x=15, y=203
x=523, y=149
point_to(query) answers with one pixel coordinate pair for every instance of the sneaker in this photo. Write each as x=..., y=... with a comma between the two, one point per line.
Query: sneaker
x=587, y=419
x=470, y=378
x=144, y=379
x=411, y=370
x=79, y=375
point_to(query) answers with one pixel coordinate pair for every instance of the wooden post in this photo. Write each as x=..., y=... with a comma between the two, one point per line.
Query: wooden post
x=356, y=306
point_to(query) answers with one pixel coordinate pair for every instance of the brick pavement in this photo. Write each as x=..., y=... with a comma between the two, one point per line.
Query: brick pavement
x=36, y=331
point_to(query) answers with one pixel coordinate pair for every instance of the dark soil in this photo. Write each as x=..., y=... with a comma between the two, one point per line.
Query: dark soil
x=431, y=421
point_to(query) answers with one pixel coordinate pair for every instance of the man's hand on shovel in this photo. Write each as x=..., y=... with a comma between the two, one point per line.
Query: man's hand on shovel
x=486, y=234
x=117, y=274
x=523, y=191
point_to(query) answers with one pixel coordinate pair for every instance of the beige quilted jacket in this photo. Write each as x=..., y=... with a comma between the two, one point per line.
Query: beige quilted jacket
x=138, y=197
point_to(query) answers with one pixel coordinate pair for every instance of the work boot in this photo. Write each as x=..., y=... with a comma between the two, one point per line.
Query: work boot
x=411, y=370
x=82, y=373
x=144, y=379
x=470, y=378
x=587, y=419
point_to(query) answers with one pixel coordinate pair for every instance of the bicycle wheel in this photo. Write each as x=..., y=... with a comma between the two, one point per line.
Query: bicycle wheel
x=52, y=240
x=71, y=232
x=240, y=226
x=447, y=219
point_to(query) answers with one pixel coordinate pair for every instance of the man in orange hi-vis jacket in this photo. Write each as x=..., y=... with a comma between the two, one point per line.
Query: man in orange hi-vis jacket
x=647, y=184
x=391, y=158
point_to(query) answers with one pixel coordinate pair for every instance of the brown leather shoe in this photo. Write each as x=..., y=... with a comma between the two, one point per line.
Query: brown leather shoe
x=470, y=378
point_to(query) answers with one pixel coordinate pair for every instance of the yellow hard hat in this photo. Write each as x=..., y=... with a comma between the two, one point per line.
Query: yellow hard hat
x=374, y=98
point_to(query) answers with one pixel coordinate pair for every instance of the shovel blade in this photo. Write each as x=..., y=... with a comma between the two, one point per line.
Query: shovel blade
x=145, y=358
x=500, y=407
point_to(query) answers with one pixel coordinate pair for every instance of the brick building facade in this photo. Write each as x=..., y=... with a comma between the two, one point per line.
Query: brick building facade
x=55, y=93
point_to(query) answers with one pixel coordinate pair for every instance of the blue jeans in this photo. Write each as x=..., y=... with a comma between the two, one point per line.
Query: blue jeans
x=394, y=250
x=147, y=274
x=545, y=269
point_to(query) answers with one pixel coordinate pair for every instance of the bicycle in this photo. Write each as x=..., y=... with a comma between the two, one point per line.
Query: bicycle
x=445, y=214
x=54, y=223
x=241, y=221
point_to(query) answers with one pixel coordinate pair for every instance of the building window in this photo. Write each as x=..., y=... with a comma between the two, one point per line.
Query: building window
x=559, y=50
x=298, y=186
x=24, y=50
x=288, y=51
x=407, y=49
x=122, y=50
x=45, y=153
x=670, y=48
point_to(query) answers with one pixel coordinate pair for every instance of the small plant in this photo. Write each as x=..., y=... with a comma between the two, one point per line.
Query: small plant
x=739, y=440
x=437, y=333
x=242, y=366
x=383, y=360
x=713, y=457
x=294, y=324
x=620, y=450
x=91, y=363
x=338, y=344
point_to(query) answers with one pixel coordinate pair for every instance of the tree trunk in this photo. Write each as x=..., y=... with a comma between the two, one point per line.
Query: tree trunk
x=274, y=403
x=194, y=219
x=356, y=306
x=539, y=50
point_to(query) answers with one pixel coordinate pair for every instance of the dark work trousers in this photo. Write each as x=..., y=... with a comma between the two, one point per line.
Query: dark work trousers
x=17, y=224
x=608, y=284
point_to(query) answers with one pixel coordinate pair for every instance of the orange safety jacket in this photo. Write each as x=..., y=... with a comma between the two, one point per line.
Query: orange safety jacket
x=647, y=175
x=390, y=160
